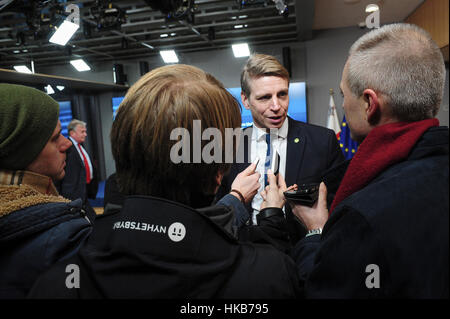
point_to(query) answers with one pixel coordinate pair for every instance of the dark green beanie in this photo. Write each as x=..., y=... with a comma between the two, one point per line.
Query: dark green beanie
x=28, y=118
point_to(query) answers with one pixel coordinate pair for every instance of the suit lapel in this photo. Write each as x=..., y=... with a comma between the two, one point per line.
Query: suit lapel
x=296, y=143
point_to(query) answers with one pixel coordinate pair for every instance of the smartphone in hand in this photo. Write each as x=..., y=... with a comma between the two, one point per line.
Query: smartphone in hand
x=306, y=194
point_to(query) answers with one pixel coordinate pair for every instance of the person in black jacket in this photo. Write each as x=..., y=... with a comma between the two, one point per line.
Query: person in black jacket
x=164, y=242
x=386, y=234
x=38, y=227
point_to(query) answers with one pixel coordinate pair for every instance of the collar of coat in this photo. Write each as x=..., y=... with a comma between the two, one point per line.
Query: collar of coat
x=22, y=189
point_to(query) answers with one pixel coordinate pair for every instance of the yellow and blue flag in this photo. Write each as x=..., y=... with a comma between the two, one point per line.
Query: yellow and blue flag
x=348, y=146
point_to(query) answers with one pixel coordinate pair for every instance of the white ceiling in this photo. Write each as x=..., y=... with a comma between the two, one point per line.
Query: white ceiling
x=142, y=34
x=330, y=14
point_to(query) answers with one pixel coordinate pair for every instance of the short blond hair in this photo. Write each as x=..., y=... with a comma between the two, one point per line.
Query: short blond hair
x=259, y=65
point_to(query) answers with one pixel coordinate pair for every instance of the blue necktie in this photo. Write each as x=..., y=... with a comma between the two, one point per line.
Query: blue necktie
x=268, y=159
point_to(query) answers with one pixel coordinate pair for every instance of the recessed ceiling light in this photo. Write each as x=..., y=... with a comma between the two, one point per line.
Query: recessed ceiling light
x=169, y=56
x=239, y=26
x=164, y=35
x=60, y=87
x=63, y=34
x=241, y=50
x=49, y=89
x=372, y=8
x=22, y=69
x=80, y=65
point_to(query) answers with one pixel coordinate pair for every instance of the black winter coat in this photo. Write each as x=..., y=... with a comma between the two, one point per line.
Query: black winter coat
x=155, y=248
x=33, y=239
x=390, y=239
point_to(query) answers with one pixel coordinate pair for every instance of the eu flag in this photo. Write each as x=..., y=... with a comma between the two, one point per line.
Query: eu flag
x=346, y=143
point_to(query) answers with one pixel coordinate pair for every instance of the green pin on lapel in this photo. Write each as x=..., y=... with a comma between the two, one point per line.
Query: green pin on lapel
x=296, y=140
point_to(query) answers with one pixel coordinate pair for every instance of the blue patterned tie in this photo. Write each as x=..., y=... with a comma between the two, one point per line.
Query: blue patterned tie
x=268, y=159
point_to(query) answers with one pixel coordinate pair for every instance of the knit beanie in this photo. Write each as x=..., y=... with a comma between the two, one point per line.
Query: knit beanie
x=28, y=118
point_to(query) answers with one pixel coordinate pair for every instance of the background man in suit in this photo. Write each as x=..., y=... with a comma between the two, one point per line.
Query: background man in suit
x=80, y=180
x=305, y=150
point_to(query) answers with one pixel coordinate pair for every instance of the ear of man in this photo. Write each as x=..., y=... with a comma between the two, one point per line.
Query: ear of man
x=244, y=99
x=373, y=107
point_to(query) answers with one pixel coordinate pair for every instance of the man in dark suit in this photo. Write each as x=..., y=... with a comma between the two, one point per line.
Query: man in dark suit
x=305, y=150
x=80, y=180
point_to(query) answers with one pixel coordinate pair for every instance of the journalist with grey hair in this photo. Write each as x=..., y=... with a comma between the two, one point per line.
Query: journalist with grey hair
x=386, y=232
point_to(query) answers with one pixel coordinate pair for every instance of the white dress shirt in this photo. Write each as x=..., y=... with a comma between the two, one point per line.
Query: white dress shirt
x=278, y=139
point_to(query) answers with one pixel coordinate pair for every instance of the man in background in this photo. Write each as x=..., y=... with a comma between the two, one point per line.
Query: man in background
x=80, y=180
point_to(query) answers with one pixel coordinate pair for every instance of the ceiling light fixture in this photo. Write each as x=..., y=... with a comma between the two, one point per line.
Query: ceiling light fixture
x=169, y=56
x=241, y=50
x=147, y=45
x=22, y=69
x=372, y=8
x=49, y=89
x=63, y=34
x=60, y=87
x=80, y=65
x=281, y=6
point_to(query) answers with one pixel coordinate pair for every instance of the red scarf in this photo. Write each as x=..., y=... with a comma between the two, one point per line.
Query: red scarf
x=384, y=146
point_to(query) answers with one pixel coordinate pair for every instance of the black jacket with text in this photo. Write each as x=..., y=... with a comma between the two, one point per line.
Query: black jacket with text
x=155, y=248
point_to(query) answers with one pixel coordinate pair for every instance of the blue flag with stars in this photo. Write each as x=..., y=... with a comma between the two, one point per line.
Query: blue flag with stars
x=346, y=143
